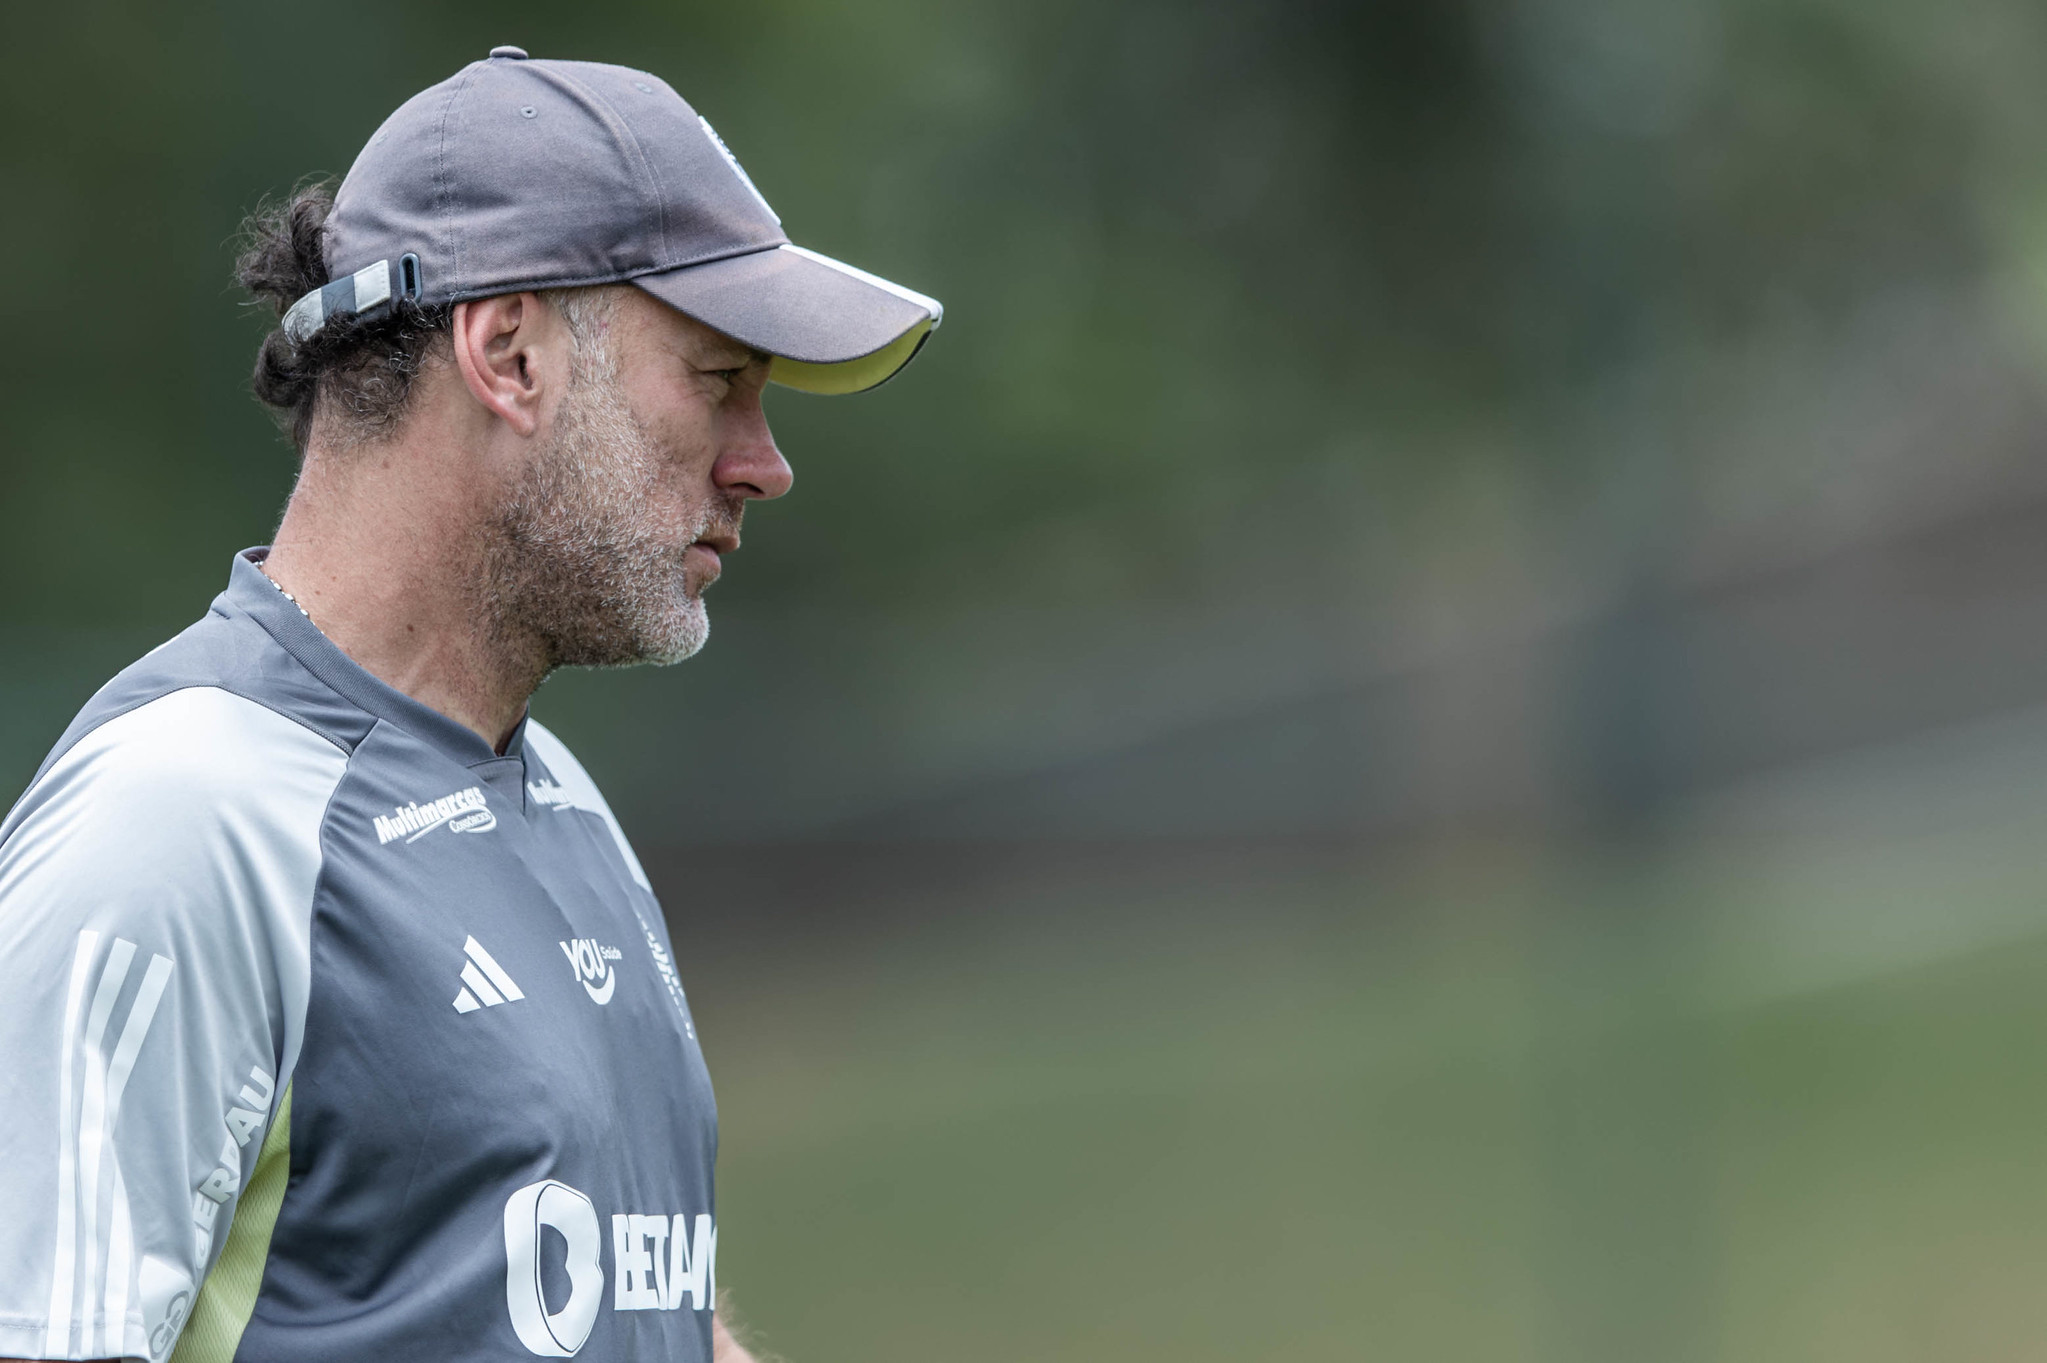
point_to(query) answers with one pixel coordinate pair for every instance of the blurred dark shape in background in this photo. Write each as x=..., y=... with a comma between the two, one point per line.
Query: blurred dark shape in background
x=1421, y=733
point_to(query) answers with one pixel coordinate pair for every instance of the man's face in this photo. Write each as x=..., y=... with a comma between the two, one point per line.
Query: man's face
x=635, y=493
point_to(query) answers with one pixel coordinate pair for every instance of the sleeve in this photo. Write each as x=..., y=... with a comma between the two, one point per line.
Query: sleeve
x=156, y=890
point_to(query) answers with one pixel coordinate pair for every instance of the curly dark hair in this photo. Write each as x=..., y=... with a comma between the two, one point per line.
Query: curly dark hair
x=356, y=375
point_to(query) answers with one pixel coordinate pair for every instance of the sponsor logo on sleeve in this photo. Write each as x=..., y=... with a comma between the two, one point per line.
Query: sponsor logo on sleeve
x=166, y=1292
x=245, y=1118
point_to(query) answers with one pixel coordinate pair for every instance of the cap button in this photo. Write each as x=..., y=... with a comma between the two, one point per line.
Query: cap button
x=517, y=54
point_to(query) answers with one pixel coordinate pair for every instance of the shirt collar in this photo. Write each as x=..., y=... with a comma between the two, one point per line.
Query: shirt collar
x=256, y=596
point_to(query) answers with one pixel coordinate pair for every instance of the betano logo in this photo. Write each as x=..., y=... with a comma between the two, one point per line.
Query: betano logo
x=657, y=1262
x=464, y=812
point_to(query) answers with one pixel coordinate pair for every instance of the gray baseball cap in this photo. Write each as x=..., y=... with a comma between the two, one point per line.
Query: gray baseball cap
x=518, y=174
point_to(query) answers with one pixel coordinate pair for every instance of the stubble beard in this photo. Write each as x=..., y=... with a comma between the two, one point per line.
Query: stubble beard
x=578, y=571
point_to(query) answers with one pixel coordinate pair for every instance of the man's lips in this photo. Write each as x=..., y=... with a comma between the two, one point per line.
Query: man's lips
x=711, y=546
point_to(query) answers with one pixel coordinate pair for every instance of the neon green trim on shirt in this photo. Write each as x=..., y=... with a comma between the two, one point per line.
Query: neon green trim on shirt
x=229, y=1297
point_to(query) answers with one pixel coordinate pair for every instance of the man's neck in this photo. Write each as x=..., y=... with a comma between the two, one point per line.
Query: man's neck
x=394, y=577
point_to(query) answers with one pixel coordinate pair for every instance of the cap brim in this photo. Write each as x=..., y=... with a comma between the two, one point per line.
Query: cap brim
x=831, y=328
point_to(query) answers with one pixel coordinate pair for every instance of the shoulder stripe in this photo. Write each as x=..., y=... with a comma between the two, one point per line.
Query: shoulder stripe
x=96, y=717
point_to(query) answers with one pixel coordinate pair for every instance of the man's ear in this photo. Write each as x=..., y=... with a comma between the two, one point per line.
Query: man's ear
x=511, y=355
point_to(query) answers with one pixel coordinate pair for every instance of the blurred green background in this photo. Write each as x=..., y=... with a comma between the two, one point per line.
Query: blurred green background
x=1422, y=731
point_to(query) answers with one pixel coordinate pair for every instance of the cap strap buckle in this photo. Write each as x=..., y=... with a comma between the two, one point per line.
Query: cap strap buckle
x=369, y=292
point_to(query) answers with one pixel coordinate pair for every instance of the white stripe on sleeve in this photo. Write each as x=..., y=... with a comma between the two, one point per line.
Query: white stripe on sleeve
x=120, y=1243
x=57, y=1339
x=92, y=1131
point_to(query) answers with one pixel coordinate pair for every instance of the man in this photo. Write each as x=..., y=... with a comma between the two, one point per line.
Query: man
x=338, y=1018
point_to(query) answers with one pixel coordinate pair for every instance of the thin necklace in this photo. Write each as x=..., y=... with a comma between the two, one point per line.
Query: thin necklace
x=289, y=597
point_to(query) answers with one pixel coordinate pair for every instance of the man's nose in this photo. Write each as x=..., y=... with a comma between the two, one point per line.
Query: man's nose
x=749, y=464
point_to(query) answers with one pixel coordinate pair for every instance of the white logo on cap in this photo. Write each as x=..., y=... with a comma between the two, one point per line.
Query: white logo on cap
x=738, y=169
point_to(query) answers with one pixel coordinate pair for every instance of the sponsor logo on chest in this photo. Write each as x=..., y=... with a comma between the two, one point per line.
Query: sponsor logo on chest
x=551, y=793
x=463, y=811
x=591, y=961
x=659, y=1262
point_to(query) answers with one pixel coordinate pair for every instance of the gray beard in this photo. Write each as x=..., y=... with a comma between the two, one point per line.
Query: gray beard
x=576, y=567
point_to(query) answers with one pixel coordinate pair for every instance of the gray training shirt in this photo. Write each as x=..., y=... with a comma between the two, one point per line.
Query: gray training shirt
x=326, y=1033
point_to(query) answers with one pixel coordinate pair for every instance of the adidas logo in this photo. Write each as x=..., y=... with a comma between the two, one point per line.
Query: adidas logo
x=483, y=979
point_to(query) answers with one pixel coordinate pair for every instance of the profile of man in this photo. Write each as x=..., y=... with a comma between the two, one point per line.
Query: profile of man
x=339, y=1020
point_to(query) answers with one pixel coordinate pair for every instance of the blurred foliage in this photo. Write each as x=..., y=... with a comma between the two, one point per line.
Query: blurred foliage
x=1225, y=281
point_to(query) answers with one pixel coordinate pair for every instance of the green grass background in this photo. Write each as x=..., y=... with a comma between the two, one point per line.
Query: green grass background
x=1496, y=1105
